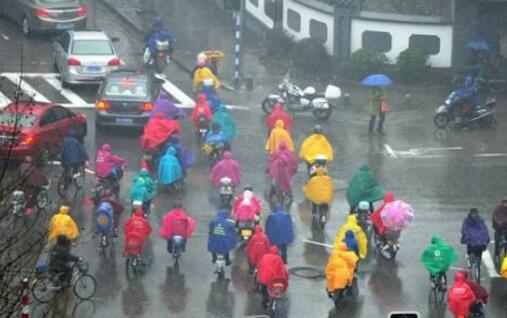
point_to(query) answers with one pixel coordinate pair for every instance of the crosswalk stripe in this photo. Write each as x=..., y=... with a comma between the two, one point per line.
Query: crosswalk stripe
x=26, y=88
x=72, y=97
x=4, y=101
x=177, y=93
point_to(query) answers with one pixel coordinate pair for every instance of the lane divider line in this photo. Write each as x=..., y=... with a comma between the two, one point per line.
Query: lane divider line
x=317, y=243
x=67, y=93
x=390, y=151
x=490, y=265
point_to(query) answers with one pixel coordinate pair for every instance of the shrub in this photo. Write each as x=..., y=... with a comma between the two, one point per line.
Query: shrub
x=365, y=61
x=412, y=65
x=279, y=44
x=309, y=55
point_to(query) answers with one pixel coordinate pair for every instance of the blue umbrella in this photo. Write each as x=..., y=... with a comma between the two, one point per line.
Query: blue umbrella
x=478, y=44
x=377, y=80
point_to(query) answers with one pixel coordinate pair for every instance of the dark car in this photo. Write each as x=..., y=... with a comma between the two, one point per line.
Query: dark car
x=126, y=98
x=36, y=129
x=45, y=15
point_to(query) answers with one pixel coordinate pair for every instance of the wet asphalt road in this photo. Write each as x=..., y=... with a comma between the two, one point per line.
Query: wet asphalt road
x=441, y=179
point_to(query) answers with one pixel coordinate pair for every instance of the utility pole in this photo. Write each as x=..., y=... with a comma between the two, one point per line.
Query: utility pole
x=236, y=7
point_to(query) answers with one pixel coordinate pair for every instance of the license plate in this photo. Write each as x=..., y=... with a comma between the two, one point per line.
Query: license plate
x=93, y=69
x=246, y=232
x=321, y=105
x=64, y=26
x=124, y=120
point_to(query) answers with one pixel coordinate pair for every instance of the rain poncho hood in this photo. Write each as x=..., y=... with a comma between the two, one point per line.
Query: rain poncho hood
x=340, y=268
x=320, y=188
x=376, y=217
x=246, y=207
x=169, y=168
x=438, y=257
x=460, y=296
x=157, y=130
x=62, y=224
x=500, y=217
x=137, y=225
x=222, y=236
x=226, y=122
x=282, y=166
x=104, y=217
x=271, y=266
x=359, y=234
x=276, y=136
x=315, y=145
x=184, y=156
x=177, y=222
x=279, y=114
x=166, y=107
x=363, y=186
x=279, y=226
x=106, y=161
x=143, y=188
x=227, y=167
x=201, y=108
x=73, y=153
x=257, y=246
x=351, y=242
x=474, y=232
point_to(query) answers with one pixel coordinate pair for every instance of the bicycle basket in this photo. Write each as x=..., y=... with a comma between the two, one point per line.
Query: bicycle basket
x=83, y=267
x=41, y=268
x=277, y=287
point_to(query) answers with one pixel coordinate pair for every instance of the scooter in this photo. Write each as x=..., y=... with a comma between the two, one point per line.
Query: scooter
x=226, y=192
x=203, y=128
x=482, y=114
x=389, y=247
x=160, y=58
x=294, y=99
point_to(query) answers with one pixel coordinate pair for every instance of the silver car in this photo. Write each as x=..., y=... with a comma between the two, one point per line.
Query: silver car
x=45, y=15
x=84, y=57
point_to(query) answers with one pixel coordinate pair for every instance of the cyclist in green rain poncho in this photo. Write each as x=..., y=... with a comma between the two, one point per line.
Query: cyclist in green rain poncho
x=363, y=187
x=438, y=257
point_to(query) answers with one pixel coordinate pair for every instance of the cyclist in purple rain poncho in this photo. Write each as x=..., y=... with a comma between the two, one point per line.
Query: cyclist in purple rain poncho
x=282, y=166
x=474, y=233
x=227, y=167
x=165, y=106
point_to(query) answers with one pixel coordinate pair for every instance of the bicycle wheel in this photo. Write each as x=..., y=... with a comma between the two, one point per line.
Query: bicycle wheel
x=63, y=185
x=85, y=287
x=441, y=289
x=130, y=268
x=79, y=180
x=41, y=290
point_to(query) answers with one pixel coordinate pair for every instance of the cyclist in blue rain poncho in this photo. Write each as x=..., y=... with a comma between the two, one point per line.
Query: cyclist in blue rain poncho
x=169, y=168
x=222, y=237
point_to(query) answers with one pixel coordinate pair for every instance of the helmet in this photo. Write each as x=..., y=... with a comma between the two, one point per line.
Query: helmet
x=137, y=203
x=248, y=187
x=202, y=56
x=318, y=129
x=158, y=20
x=363, y=205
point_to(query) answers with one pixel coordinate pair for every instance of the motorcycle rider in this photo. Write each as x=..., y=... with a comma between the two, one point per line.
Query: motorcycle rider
x=500, y=224
x=228, y=167
x=159, y=32
x=460, y=297
x=319, y=190
x=184, y=156
x=481, y=295
x=143, y=189
x=340, y=271
x=279, y=230
x=32, y=180
x=257, y=247
x=438, y=257
x=282, y=165
x=73, y=154
x=278, y=113
x=227, y=125
x=202, y=74
x=176, y=223
x=108, y=167
x=59, y=259
x=376, y=218
x=359, y=234
x=270, y=267
x=201, y=108
x=276, y=136
x=62, y=224
x=363, y=187
x=169, y=168
x=246, y=208
x=222, y=237
x=474, y=234
x=137, y=229
x=468, y=93
x=315, y=145
x=215, y=139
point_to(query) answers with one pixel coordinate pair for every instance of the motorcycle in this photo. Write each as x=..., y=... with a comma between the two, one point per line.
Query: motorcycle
x=245, y=230
x=294, y=99
x=226, y=192
x=203, y=128
x=482, y=114
x=389, y=246
x=19, y=200
x=160, y=57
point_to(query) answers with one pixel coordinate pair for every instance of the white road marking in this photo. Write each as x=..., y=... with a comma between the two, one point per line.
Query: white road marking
x=490, y=155
x=390, y=151
x=4, y=100
x=175, y=91
x=67, y=93
x=5, y=37
x=490, y=265
x=317, y=243
x=44, y=75
x=26, y=88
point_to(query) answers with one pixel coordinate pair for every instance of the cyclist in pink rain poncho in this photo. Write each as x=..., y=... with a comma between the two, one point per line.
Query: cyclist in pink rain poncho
x=282, y=166
x=105, y=162
x=228, y=167
x=247, y=208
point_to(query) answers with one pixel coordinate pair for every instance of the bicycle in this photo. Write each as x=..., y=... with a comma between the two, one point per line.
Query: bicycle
x=134, y=263
x=474, y=266
x=500, y=248
x=177, y=249
x=46, y=284
x=439, y=287
x=70, y=175
x=276, y=291
x=319, y=213
x=282, y=197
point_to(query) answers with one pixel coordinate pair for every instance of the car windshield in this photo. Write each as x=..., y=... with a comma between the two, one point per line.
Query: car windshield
x=92, y=47
x=21, y=120
x=126, y=87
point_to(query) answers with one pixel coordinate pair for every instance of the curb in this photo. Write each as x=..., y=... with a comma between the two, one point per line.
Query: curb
x=138, y=30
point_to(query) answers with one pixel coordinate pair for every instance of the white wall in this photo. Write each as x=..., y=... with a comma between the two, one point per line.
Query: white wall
x=307, y=14
x=400, y=34
x=259, y=13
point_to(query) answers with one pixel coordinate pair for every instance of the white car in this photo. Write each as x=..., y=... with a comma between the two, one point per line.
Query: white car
x=84, y=57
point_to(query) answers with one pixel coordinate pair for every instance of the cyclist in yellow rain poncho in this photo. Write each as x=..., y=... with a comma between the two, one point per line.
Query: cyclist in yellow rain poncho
x=503, y=269
x=62, y=224
x=319, y=189
x=316, y=145
x=340, y=268
x=360, y=236
x=276, y=136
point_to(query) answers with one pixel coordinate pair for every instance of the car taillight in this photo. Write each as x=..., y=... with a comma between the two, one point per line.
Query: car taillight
x=42, y=13
x=147, y=107
x=102, y=105
x=82, y=12
x=26, y=140
x=73, y=62
x=114, y=62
